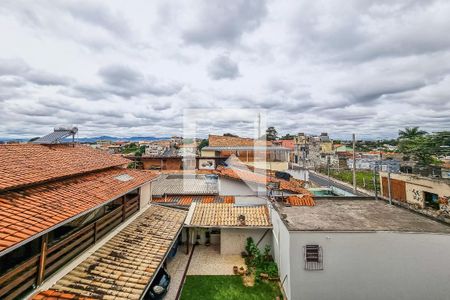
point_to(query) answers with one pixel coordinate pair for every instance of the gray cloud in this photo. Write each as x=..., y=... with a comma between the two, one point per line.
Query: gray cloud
x=314, y=66
x=222, y=67
x=23, y=73
x=224, y=22
x=126, y=82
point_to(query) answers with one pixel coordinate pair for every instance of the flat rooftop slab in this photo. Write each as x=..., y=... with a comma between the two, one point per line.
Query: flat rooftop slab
x=357, y=215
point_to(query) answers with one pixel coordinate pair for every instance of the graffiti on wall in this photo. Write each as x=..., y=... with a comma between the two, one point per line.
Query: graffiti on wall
x=444, y=204
x=417, y=195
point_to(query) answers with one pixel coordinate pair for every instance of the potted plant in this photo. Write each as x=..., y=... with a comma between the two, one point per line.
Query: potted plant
x=235, y=270
x=241, y=270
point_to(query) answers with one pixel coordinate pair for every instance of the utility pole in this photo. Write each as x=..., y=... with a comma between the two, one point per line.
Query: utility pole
x=354, y=163
x=259, y=126
x=375, y=180
x=389, y=184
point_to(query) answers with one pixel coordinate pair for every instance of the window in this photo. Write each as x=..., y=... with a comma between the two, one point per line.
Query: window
x=313, y=257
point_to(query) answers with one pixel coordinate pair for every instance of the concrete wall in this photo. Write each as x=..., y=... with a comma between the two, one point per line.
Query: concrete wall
x=416, y=186
x=275, y=166
x=233, y=240
x=231, y=187
x=206, y=153
x=281, y=241
x=145, y=194
x=381, y=265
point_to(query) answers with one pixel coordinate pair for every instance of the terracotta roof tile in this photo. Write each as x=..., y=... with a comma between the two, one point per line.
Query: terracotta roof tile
x=224, y=141
x=293, y=185
x=57, y=295
x=187, y=200
x=303, y=200
x=25, y=164
x=30, y=211
x=226, y=214
x=122, y=268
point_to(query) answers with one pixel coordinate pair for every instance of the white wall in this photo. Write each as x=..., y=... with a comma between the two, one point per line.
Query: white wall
x=233, y=240
x=381, y=265
x=230, y=187
x=145, y=194
x=281, y=241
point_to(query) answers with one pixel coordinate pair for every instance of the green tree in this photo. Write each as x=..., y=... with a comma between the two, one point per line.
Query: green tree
x=203, y=143
x=230, y=134
x=419, y=148
x=271, y=134
x=287, y=137
x=410, y=133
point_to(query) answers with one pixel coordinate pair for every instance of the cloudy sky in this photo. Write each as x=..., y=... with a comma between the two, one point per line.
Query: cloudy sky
x=128, y=68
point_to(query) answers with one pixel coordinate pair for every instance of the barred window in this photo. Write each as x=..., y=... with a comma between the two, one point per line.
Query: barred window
x=313, y=257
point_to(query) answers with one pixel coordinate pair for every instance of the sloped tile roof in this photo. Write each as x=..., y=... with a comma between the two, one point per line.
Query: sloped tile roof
x=178, y=184
x=188, y=200
x=303, y=200
x=122, y=268
x=30, y=211
x=226, y=215
x=293, y=185
x=25, y=164
x=224, y=141
x=57, y=295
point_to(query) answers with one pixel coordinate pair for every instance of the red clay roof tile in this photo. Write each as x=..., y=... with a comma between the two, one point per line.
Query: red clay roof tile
x=187, y=200
x=35, y=209
x=293, y=185
x=25, y=164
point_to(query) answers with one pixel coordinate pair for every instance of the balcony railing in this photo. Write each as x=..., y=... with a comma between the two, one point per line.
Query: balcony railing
x=35, y=270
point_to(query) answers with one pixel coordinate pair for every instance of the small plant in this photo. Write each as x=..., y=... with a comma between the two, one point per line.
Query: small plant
x=267, y=252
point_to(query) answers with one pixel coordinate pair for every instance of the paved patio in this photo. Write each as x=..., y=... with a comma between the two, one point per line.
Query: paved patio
x=176, y=267
x=209, y=261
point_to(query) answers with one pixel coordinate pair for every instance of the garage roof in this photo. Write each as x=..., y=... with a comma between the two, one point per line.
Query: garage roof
x=124, y=266
x=227, y=215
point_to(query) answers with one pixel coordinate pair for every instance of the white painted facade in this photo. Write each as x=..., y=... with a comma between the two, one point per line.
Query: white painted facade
x=363, y=265
x=145, y=195
x=281, y=248
x=236, y=187
x=233, y=240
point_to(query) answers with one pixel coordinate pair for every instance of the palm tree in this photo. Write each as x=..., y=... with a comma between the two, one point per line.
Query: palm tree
x=410, y=133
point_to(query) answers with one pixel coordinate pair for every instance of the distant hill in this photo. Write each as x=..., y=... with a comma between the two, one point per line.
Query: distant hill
x=100, y=138
x=125, y=139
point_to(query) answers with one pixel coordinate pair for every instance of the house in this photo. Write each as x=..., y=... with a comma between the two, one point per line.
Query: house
x=216, y=198
x=359, y=249
x=123, y=267
x=423, y=192
x=384, y=165
x=57, y=201
x=257, y=153
x=162, y=159
x=314, y=151
x=288, y=144
x=228, y=225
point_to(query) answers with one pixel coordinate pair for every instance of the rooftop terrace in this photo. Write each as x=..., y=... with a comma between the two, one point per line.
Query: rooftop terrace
x=357, y=215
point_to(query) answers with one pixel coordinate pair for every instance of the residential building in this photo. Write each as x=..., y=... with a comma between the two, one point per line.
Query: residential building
x=162, y=159
x=257, y=153
x=385, y=165
x=218, y=201
x=155, y=149
x=359, y=249
x=229, y=225
x=56, y=201
x=314, y=151
x=423, y=192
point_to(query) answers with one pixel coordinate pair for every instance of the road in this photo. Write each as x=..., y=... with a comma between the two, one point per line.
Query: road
x=322, y=180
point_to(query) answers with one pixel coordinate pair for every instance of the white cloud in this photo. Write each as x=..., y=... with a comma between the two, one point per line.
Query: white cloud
x=115, y=68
